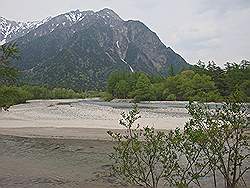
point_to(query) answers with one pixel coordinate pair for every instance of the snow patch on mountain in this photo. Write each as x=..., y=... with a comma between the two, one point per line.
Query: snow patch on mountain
x=38, y=23
x=2, y=42
x=75, y=16
x=10, y=30
x=117, y=44
x=131, y=69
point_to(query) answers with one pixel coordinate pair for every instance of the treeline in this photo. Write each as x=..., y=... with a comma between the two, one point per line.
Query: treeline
x=200, y=83
x=10, y=95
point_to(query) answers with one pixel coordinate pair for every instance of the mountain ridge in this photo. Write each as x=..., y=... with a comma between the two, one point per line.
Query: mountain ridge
x=11, y=30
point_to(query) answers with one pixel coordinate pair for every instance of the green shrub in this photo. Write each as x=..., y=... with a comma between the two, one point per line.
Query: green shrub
x=171, y=97
x=106, y=96
x=140, y=156
x=10, y=95
x=213, y=144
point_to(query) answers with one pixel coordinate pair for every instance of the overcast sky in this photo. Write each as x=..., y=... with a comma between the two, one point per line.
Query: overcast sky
x=204, y=30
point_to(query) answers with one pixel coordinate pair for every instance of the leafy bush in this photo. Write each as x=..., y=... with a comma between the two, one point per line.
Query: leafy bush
x=140, y=156
x=106, y=96
x=222, y=139
x=10, y=95
x=171, y=97
x=213, y=142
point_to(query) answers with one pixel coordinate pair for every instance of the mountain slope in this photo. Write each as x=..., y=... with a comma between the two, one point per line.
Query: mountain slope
x=11, y=30
x=80, y=49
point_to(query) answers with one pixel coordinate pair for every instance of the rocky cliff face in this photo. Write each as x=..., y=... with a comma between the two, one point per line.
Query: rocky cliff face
x=80, y=49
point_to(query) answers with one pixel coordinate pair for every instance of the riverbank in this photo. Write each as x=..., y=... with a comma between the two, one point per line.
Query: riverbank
x=83, y=119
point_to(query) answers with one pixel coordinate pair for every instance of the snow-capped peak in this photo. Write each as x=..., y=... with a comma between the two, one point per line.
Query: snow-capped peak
x=10, y=30
x=75, y=16
x=42, y=21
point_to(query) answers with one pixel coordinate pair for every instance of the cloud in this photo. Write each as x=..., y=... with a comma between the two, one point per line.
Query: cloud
x=214, y=30
x=221, y=7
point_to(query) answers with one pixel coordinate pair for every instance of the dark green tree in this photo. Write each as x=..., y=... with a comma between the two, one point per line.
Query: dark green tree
x=8, y=74
x=143, y=89
x=8, y=51
x=122, y=89
x=171, y=70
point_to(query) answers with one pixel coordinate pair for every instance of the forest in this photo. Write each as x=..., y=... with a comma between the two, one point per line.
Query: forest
x=206, y=83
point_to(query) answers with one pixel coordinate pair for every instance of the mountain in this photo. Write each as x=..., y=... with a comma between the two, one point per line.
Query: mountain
x=79, y=49
x=11, y=30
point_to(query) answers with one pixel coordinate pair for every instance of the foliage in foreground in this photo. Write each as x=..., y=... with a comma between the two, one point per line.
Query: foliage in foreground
x=213, y=143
